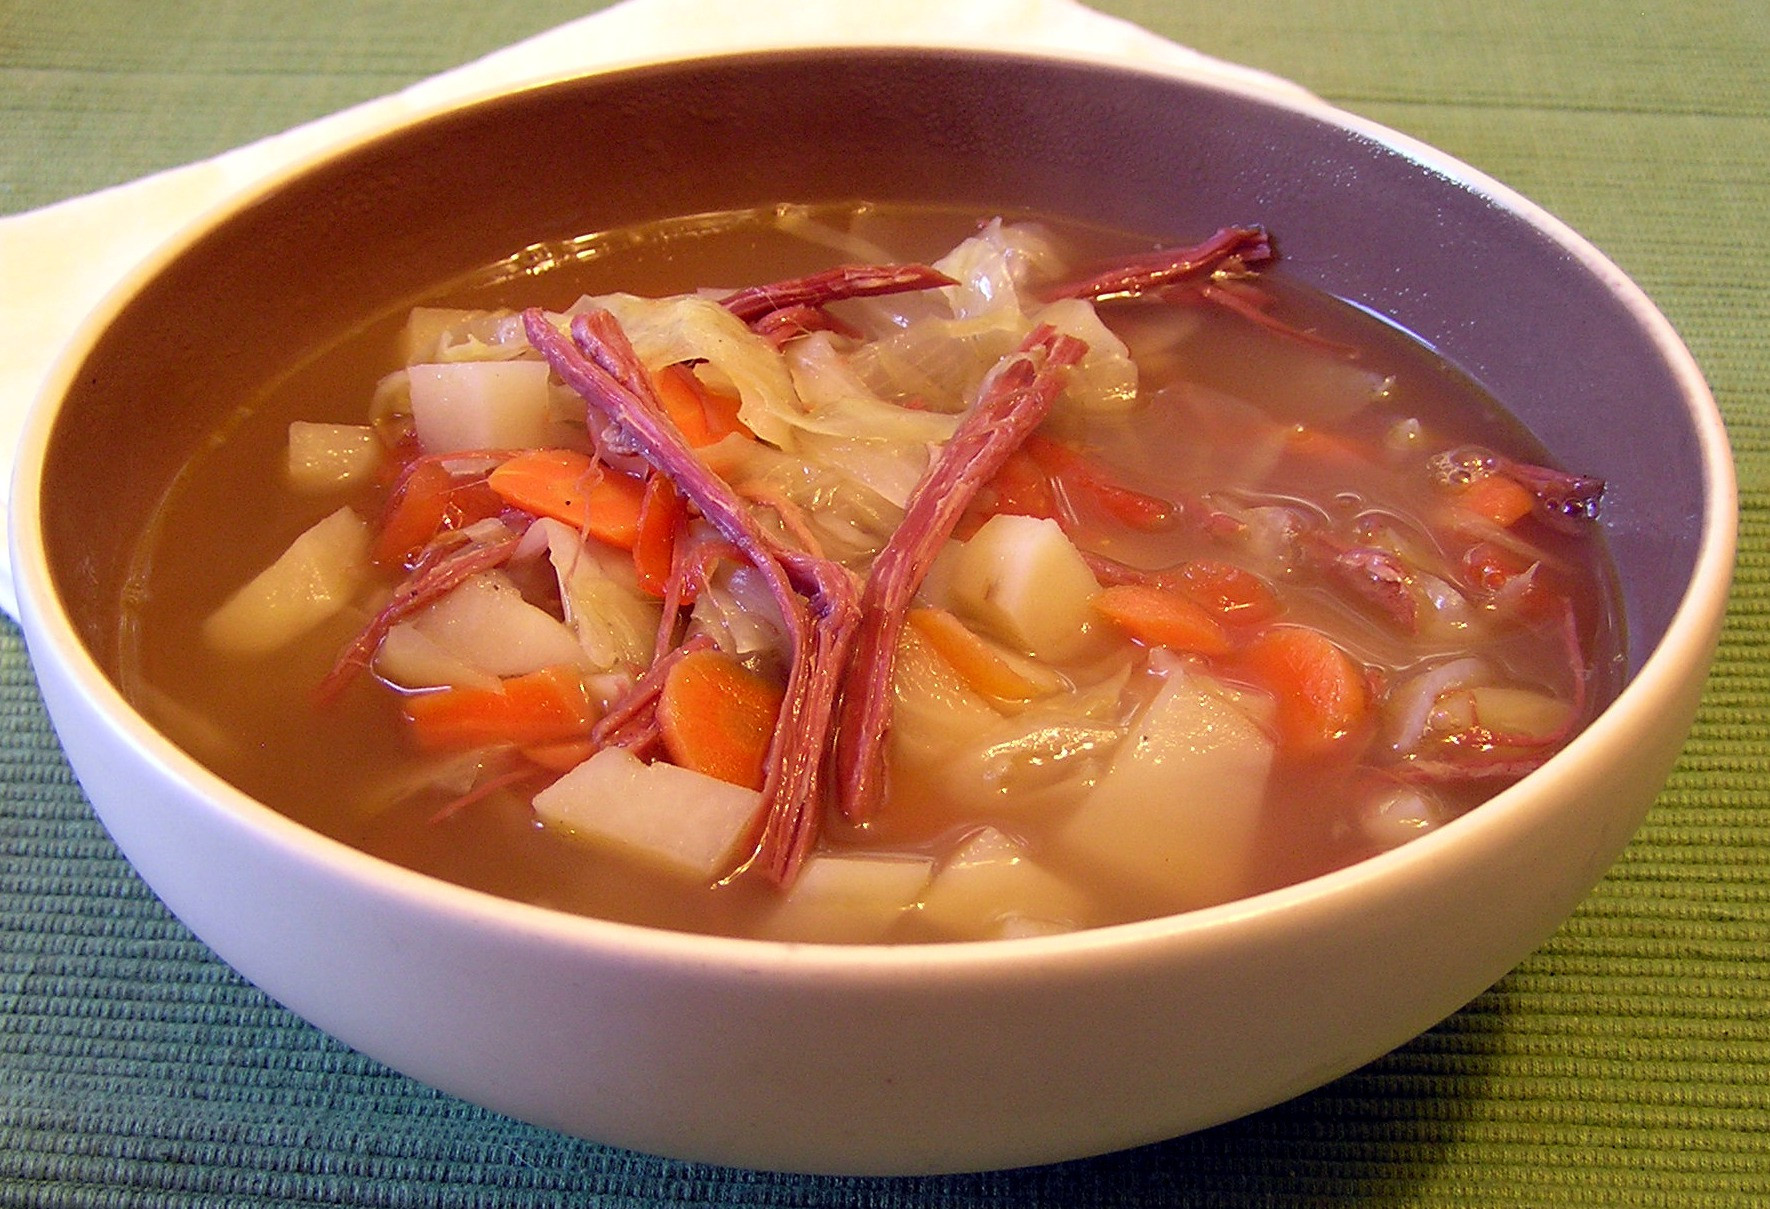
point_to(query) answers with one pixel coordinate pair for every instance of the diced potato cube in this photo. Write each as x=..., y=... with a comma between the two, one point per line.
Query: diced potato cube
x=466, y=406
x=849, y=899
x=674, y=819
x=308, y=583
x=991, y=887
x=1022, y=580
x=325, y=457
x=1177, y=809
x=936, y=589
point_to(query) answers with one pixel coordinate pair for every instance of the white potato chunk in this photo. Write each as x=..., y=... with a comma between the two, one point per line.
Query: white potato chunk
x=463, y=406
x=1022, y=580
x=325, y=457
x=937, y=585
x=990, y=887
x=682, y=822
x=486, y=623
x=318, y=575
x=850, y=899
x=1177, y=809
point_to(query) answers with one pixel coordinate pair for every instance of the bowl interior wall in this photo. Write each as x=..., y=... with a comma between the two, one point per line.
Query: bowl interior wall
x=374, y=229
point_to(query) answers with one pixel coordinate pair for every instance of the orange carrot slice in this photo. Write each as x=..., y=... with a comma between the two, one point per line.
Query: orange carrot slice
x=569, y=486
x=702, y=415
x=1163, y=617
x=718, y=717
x=428, y=500
x=1326, y=449
x=562, y=756
x=1084, y=476
x=1323, y=701
x=976, y=662
x=539, y=709
x=662, y=511
x=1020, y=488
x=1496, y=498
x=413, y=515
x=1231, y=592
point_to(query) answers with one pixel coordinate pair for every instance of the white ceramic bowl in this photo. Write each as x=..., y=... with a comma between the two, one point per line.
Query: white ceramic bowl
x=879, y=1059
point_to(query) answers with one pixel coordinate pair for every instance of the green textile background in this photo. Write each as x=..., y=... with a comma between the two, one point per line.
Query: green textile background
x=1625, y=1064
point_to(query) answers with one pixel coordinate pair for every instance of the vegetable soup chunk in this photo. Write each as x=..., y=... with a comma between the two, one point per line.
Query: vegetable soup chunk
x=730, y=577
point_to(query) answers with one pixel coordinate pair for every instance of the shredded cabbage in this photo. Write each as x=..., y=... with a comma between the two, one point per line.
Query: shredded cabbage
x=738, y=612
x=940, y=361
x=614, y=623
x=439, y=334
x=666, y=331
x=993, y=266
x=835, y=401
x=849, y=518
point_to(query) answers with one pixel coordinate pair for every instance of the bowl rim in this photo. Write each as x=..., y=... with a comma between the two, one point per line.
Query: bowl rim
x=1687, y=642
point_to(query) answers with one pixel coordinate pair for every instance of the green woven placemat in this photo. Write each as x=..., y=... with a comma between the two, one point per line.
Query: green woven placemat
x=1625, y=1064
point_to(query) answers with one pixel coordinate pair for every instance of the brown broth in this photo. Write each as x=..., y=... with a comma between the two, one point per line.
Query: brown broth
x=331, y=769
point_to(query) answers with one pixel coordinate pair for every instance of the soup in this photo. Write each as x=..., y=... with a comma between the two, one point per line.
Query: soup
x=1023, y=578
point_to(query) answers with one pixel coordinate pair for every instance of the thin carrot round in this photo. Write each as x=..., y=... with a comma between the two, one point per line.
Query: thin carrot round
x=718, y=717
x=569, y=486
x=539, y=709
x=981, y=667
x=1164, y=617
x=1232, y=593
x=427, y=501
x=1496, y=498
x=1324, y=703
x=662, y=513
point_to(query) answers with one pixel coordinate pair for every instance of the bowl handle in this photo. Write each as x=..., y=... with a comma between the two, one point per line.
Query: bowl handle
x=59, y=263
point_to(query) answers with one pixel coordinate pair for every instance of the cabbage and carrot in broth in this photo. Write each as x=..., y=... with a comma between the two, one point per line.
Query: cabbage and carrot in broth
x=1038, y=585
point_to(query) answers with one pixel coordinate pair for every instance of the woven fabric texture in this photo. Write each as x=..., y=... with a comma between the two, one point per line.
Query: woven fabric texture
x=1627, y=1063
